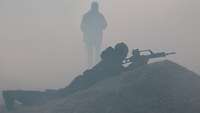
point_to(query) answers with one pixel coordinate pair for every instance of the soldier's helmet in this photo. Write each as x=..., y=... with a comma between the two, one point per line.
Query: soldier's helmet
x=107, y=54
x=136, y=52
x=121, y=50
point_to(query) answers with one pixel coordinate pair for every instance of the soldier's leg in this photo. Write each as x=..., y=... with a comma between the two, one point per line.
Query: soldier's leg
x=97, y=51
x=89, y=52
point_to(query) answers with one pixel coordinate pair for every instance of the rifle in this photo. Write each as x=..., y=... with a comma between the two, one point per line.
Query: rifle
x=150, y=56
x=158, y=55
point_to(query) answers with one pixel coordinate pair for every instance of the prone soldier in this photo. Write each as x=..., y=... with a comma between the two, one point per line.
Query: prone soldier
x=111, y=64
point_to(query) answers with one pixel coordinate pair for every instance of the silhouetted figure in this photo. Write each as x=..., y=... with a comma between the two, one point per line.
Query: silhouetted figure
x=92, y=25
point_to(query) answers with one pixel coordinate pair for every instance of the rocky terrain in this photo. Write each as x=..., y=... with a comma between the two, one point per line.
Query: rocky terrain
x=1, y=102
x=162, y=87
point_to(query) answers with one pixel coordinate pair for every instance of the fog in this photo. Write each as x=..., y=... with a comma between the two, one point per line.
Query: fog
x=41, y=43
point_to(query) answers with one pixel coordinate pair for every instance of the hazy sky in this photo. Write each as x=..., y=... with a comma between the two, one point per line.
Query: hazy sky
x=41, y=42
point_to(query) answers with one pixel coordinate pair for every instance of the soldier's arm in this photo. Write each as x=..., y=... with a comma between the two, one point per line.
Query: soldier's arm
x=151, y=52
x=104, y=22
x=83, y=24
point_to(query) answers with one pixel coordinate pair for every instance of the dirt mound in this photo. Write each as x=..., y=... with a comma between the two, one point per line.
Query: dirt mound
x=162, y=87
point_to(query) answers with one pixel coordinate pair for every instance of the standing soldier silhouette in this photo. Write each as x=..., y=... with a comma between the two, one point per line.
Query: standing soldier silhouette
x=92, y=25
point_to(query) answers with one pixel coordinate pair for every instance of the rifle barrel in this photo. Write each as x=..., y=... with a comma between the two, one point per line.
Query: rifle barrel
x=144, y=50
x=171, y=53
